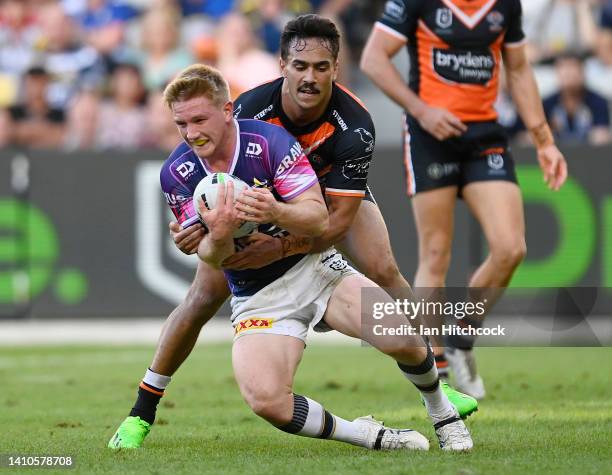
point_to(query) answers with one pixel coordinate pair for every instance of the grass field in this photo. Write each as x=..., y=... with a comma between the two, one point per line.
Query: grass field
x=549, y=411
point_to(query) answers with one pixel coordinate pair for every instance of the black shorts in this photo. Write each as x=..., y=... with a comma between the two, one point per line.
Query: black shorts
x=480, y=154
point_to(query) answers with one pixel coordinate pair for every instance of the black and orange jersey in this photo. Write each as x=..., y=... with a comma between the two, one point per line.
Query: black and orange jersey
x=339, y=144
x=455, y=49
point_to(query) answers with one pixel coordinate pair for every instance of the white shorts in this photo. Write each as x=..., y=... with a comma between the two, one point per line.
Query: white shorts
x=295, y=301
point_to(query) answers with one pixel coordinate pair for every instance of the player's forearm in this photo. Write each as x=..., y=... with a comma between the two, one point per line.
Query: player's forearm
x=215, y=251
x=379, y=68
x=524, y=90
x=307, y=218
x=292, y=245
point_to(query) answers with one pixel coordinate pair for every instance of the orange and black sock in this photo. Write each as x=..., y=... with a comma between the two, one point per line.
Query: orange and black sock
x=147, y=401
x=150, y=391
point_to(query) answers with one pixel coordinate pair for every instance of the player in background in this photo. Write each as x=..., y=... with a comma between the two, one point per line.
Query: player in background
x=337, y=135
x=273, y=306
x=453, y=145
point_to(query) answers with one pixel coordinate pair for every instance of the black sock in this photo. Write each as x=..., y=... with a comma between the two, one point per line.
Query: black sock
x=146, y=403
x=466, y=342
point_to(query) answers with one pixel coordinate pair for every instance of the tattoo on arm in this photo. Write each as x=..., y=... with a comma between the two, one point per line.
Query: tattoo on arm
x=296, y=245
x=541, y=135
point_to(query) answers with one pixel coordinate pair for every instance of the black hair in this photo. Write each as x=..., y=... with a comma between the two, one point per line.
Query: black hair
x=309, y=26
x=36, y=71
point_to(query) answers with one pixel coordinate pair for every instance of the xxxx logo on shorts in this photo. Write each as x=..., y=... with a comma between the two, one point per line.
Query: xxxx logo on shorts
x=253, y=323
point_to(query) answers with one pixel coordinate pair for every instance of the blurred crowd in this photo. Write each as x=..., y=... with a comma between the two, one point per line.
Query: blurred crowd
x=89, y=74
x=570, y=48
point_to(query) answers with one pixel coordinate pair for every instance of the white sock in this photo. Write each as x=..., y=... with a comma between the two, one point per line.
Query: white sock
x=310, y=419
x=425, y=377
x=156, y=380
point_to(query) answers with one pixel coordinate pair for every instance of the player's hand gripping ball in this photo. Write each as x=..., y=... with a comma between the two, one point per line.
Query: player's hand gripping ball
x=206, y=192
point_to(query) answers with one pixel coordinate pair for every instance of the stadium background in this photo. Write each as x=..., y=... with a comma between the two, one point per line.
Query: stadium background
x=84, y=249
x=80, y=85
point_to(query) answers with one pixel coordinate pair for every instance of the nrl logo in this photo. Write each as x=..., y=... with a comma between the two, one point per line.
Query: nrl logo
x=444, y=17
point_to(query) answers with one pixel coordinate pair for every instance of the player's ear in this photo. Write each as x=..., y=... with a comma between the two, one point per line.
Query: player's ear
x=228, y=110
x=283, y=66
x=336, y=66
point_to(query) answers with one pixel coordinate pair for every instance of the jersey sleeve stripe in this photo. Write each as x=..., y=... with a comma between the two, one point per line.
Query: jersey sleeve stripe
x=390, y=31
x=298, y=191
x=339, y=192
x=188, y=222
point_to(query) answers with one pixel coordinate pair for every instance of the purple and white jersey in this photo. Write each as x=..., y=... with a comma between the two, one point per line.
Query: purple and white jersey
x=266, y=156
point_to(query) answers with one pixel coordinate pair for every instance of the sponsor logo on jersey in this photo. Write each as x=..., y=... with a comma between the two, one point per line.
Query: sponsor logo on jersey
x=436, y=170
x=259, y=115
x=340, y=120
x=186, y=169
x=253, y=150
x=260, y=183
x=471, y=67
x=366, y=137
x=444, y=17
x=287, y=162
x=496, y=20
x=395, y=11
x=173, y=199
x=252, y=324
x=356, y=169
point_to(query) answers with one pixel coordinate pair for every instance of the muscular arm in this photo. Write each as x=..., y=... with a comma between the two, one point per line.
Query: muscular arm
x=376, y=64
x=524, y=90
x=342, y=211
x=263, y=250
x=525, y=93
x=214, y=251
x=304, y=215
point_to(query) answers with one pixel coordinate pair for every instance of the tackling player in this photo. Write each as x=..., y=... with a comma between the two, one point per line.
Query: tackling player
x=337, y=135
x=453, y=144
x=273, y=306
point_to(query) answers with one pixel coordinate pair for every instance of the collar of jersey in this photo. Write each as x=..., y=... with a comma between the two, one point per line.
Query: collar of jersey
x=236, y=153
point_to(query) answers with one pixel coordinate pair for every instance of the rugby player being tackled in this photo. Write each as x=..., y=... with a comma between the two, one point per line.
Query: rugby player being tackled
x=337, y=136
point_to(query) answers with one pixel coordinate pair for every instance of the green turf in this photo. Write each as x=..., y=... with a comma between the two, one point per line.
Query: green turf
x=549, y=411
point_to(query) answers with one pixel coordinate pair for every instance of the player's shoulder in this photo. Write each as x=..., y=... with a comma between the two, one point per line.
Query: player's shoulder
x=180, y=166
x=264, y=129
x=349, y=112
x=398, y=11
x=180, y=153
x=259, y=101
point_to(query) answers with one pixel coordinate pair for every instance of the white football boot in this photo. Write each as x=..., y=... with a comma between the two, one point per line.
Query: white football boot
x=379, y=437
x=453, y=434
x=463, y=364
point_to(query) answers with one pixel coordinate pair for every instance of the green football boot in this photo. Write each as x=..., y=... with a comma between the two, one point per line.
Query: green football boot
x=465, y=405
x=131, y=434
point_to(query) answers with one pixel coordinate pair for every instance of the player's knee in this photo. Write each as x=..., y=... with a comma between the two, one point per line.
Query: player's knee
x=274, y=407
x=435, y=255
x=509, y=254
x=385, y=273
x=402, y=349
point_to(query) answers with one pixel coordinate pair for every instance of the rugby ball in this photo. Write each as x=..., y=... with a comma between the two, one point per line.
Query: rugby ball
x=206, y=192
